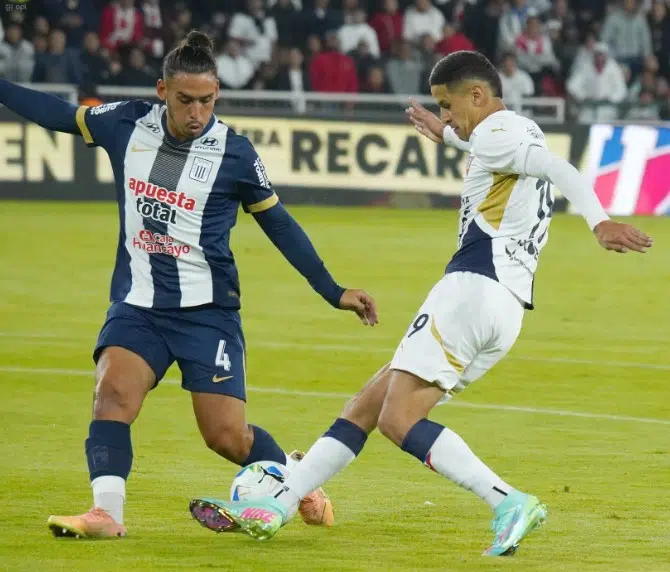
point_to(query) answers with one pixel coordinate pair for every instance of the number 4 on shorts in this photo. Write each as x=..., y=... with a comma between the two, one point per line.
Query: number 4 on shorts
x=222, y=359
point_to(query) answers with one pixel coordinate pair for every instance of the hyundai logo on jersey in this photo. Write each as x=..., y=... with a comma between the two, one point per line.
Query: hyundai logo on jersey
x=628, y=167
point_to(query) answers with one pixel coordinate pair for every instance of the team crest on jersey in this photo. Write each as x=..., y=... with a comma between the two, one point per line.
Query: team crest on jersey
x=201, y=170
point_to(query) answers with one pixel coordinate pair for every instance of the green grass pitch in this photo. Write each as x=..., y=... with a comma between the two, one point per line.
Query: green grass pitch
x=578, y=413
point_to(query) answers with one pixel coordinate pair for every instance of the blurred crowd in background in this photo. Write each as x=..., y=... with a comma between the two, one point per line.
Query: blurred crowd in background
x=610, y=58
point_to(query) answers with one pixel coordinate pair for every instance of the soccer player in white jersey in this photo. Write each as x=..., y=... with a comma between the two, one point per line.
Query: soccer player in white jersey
x=181, y=176
x=472, y=316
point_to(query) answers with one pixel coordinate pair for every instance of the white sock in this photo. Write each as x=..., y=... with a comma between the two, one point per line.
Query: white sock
x=326, y=458
x=109, y=493
x=452, y=458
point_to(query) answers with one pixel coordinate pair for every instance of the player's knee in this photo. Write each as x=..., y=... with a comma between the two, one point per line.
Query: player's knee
x=231, y=443
x=123, y=379
x=113, y=400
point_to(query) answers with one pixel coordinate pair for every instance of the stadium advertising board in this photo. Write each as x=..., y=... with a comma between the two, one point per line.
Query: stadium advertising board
x=361, y=156
x=629, y=166
x=318, y=161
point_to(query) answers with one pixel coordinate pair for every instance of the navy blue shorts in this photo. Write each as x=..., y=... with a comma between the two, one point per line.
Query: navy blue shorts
x=206, y=342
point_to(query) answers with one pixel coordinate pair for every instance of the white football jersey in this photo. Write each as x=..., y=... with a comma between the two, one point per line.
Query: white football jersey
x=504, y=214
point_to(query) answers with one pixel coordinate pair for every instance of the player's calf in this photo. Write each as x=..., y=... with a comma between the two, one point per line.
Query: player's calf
x=364, y=408
x=408, y=400
x=232, y=443
x=395, y=427
x=246, y=445
x=222, y=423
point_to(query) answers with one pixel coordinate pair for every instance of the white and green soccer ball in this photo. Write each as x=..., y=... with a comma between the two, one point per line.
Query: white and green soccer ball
x=258, y=480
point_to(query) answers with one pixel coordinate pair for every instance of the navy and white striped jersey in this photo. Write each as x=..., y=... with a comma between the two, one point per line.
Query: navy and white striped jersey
x=178, y=202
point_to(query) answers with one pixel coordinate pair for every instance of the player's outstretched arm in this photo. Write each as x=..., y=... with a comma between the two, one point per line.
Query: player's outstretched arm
x=46, y=110
x=292, y=241
x=611, y=235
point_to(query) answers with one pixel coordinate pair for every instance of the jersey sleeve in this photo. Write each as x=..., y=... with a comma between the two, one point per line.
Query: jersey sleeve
x=98, y=124
x=253, y=185
x=504, y=149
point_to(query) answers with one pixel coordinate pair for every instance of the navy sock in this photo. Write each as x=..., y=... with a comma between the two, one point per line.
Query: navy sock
x=420, y=438
x=348, y=434
x=264, y=448
x=108, y=449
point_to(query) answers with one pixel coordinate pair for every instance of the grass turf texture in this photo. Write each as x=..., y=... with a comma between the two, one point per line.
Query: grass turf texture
x=596, y=344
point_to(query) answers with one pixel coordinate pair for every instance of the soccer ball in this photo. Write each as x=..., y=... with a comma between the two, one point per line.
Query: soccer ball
x=258, y=480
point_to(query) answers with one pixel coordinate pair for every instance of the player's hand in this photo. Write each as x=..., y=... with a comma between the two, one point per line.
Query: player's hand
x=362, y=303
x=621, y=237
x=425, y=122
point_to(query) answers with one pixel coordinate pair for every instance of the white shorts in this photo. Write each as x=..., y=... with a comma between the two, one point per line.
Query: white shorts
x=466, y=325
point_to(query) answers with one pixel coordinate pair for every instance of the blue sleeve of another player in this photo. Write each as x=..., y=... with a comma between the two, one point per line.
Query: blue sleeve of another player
x=46, y=110
x=292, y=241
x=95, y=124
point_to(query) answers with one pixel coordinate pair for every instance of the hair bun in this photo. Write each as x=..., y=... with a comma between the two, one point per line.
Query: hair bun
x=197, y=40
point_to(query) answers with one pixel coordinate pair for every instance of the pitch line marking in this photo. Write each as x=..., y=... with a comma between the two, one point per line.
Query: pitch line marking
x=344, y=396
x=389, y=351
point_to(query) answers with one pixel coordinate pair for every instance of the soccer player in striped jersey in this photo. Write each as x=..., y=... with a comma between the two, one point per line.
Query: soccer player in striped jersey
x=181, y=175
x=472, y=316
